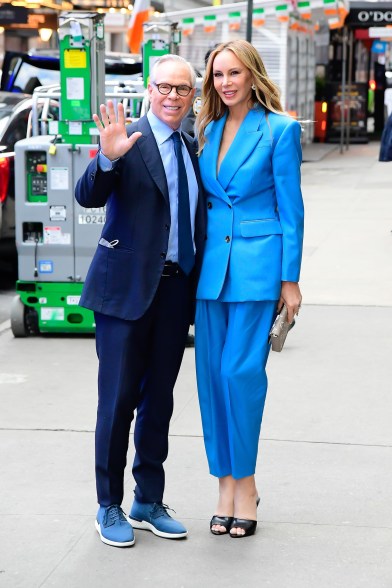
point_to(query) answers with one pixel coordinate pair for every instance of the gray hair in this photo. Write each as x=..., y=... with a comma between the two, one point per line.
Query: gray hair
x=178, y=59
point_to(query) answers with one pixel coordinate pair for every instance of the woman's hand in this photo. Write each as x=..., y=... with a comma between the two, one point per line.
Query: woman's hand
x=290, y=295
x=113, y=135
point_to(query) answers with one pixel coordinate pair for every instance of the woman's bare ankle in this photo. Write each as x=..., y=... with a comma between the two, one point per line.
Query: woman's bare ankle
x=225, y=505
x=245, y=498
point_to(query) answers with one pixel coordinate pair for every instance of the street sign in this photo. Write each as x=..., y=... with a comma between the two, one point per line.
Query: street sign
x=380, y=32
x=13, y=15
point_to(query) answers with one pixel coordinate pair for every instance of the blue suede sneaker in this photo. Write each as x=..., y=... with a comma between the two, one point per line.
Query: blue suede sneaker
x=113, y=527
x=154, y=517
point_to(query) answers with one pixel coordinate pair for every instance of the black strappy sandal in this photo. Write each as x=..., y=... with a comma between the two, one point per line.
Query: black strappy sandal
x=225, y=522
x=247, y=525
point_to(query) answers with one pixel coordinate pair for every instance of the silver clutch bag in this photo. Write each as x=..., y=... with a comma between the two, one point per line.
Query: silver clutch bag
x=279, y=330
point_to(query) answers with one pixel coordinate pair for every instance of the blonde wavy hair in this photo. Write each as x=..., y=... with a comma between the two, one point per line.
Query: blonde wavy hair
x=265, y=93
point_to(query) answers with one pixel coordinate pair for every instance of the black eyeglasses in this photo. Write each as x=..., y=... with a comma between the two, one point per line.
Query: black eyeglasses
x=165, y=89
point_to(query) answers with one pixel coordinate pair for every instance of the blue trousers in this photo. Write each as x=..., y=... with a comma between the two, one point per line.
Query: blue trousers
x=231, y=340
x=138, y=366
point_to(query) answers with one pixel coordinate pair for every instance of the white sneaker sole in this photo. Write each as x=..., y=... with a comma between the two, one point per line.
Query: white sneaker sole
x=149, y=527
x=113, y=543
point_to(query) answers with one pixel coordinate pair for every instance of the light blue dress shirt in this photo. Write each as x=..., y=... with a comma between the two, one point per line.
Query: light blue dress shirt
x=162, y=133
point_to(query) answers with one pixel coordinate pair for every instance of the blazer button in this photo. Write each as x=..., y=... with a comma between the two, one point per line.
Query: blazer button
x=92, y=177
x=227, y=239
x=209, y=204
x=167, y=227
x=163, y=255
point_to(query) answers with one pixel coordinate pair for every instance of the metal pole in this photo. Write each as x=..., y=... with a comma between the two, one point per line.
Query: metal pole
x=350, y=81
x=249, y=21
x=343, y=89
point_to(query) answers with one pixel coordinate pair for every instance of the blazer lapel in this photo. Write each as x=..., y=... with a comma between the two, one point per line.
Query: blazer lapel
x=215, y=139
x=210, y=157
x=246, y=139
x=151, y=156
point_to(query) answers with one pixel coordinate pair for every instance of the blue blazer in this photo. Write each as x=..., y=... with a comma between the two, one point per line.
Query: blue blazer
x=254, y=209
x=122, y=281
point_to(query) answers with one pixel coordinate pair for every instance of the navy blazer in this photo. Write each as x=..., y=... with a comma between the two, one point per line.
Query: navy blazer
x=123, y=280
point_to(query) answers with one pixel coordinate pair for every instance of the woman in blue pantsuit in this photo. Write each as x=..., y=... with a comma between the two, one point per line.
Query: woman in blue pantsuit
x=250, y=158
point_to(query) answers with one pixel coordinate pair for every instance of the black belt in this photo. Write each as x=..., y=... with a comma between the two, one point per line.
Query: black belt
x=171, y=269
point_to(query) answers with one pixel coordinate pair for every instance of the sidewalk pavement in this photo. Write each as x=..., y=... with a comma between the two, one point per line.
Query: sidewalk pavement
x=324, y=469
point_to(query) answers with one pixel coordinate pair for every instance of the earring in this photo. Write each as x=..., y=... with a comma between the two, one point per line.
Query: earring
x=253, y=87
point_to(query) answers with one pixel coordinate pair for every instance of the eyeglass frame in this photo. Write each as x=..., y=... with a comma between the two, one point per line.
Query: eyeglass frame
x=171, y=88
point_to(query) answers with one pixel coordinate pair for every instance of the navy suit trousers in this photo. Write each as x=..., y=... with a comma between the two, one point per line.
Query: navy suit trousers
x=138, y=366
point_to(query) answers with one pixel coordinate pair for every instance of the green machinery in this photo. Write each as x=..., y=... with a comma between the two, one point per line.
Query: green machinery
x=160, y=38
x=55, y=236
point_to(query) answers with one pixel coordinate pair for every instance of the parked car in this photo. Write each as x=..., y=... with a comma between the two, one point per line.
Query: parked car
x=14, y=115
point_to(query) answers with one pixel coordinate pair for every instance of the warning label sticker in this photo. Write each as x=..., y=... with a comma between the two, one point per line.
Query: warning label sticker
x=55, y=236
x=52, y=314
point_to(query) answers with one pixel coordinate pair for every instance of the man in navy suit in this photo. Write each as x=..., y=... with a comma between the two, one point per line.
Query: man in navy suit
x=141, y=287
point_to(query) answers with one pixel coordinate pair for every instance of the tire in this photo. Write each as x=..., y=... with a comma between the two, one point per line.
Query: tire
x=31, y=321
x=18, y=316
